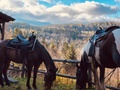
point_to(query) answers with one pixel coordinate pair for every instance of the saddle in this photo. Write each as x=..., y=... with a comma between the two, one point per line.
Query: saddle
x=23, y=45
x=99, y=36
x=19, y=40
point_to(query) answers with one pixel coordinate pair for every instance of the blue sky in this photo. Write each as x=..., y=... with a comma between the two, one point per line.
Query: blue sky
x=61, y=11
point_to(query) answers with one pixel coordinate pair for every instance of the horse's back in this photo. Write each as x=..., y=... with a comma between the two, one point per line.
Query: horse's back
x=110, y=49
x=107, y=51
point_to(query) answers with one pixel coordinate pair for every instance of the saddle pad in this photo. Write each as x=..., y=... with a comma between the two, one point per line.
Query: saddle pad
x=30, y=48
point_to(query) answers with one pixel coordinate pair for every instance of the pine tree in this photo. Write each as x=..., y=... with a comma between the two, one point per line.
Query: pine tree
x=65, y=50
x=68, y=51
x=71, y=52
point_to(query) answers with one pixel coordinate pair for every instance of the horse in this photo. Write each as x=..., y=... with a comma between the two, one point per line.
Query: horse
x=35, y=58
x=83, y=67
x=106, y=55
x=83, y=72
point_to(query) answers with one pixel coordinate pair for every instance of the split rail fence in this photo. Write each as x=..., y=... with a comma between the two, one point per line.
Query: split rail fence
x=69, y=76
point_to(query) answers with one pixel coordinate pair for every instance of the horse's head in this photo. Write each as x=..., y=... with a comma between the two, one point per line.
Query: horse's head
x=81, y=74
x=50, y=76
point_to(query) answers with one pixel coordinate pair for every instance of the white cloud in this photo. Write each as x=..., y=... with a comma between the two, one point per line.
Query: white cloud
x=48, y=1
x=58, y=13
x=94, y=8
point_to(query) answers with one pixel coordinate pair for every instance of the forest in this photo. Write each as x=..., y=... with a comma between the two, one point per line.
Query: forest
x=59, y=37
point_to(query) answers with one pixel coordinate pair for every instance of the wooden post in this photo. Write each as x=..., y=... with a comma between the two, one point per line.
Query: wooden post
x=3, y=30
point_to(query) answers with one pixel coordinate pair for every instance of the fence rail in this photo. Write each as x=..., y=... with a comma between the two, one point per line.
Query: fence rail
x=68, y=61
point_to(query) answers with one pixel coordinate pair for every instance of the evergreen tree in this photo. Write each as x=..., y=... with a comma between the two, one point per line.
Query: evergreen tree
x=65, y=50
x=68, y=51
x=71, y=52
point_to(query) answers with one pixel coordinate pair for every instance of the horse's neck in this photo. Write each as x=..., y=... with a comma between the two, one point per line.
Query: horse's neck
x=46, y=57
x=48, y=61
x=49, y=64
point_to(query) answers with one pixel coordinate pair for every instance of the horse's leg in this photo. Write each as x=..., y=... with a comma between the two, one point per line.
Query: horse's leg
x=78, y=85
x=1, y=78
x=35, y=75
x=5, y=68
x=84, y=86
x=102, y=73
x=29, y=75
x=98, y=85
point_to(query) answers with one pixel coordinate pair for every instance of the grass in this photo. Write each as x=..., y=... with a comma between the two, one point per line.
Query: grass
x=22, y=85
x=59, y=84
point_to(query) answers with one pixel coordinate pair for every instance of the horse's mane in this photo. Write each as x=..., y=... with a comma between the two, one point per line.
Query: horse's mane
x=46, y=52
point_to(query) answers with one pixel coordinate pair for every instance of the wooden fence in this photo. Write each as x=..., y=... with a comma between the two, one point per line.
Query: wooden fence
x=66, y=75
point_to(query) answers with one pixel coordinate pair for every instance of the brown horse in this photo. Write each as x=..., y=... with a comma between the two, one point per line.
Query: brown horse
x=35, y=58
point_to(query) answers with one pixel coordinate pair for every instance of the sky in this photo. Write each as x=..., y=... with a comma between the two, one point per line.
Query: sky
x=61, y=11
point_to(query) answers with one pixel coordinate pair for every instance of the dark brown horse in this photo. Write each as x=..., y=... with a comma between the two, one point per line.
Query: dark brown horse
x=35, y=58
x=106, y=55
x=81, y=79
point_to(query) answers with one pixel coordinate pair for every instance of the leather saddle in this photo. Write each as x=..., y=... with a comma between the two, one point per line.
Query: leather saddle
x=21, y=41
x=98, y=36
